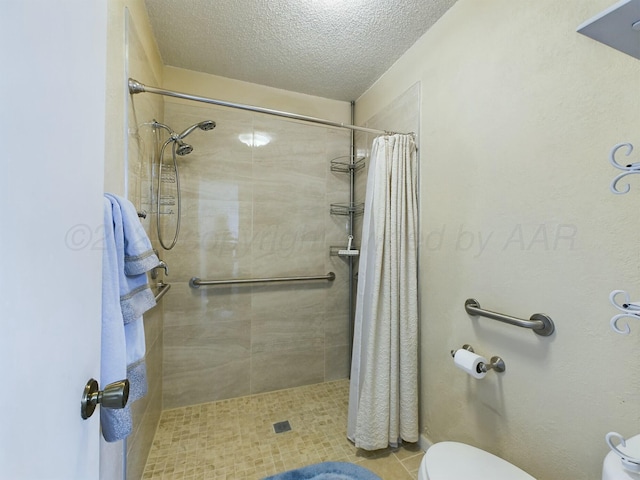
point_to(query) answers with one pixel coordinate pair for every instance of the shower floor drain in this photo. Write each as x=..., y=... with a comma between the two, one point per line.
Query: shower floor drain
x=281, y=427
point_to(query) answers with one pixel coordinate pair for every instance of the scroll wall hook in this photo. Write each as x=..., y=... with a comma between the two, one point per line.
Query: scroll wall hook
x=630, y=309
x=629, y=168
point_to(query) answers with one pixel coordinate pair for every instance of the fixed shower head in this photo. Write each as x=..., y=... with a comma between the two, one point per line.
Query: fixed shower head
x=182, y=148
x=205, y=125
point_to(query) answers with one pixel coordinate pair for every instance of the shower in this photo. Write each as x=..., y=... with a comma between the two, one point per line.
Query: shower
x=181, y=148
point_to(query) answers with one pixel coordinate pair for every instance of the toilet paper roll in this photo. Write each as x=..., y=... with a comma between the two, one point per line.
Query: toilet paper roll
x=469, y=362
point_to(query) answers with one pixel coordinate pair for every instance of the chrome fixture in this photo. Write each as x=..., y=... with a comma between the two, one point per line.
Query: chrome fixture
x=154, y=270
x=196, y=282
x=163, y=288
x=540, y=323
x=137, y=87
x=206, y=125
x=181, y=148
x=496, y=363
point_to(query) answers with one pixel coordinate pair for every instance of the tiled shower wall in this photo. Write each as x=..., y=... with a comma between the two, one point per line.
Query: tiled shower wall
x=255, y=212
x=141, y=144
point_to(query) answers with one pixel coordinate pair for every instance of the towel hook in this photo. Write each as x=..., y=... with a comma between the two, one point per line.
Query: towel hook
x=630, y=309
x=629, y=169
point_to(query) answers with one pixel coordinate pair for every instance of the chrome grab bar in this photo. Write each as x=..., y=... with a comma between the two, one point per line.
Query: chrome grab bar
x=540, y=323
x=196, y=282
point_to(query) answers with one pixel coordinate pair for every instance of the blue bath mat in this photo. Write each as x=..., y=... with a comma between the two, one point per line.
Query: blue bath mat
x=327, y=471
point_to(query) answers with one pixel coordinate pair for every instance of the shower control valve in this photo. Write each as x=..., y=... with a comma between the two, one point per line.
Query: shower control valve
x=154, y=270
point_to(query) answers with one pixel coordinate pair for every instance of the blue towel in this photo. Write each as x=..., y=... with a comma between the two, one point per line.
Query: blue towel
x=113, y=365
x=136, y=257
x=127, y=256
x=327, y=471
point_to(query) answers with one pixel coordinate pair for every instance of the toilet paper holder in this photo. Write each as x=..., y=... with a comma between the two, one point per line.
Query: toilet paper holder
x=496, y=363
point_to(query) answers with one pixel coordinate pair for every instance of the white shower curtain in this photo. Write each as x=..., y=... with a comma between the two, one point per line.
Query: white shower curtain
x=383, y=396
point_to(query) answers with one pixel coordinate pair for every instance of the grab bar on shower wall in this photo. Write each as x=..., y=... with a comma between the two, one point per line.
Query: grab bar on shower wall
x=196, y=282
x=540, y=323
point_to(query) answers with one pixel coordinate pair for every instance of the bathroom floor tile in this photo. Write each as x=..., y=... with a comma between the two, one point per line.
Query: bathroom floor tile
x=386, y=467
x=412, y=464
x=235, y=438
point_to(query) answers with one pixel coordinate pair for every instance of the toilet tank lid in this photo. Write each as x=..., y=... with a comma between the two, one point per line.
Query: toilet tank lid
x=454, y=460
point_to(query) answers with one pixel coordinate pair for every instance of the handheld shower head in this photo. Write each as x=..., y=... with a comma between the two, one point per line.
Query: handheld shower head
x=205, y=125
x=182, y=148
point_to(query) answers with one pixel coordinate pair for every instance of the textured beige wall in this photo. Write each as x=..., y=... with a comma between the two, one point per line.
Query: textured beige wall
x=235, y=91
x=519, y=113
x=117, y=93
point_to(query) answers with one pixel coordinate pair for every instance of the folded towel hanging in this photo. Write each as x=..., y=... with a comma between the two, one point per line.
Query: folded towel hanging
x=127, y=256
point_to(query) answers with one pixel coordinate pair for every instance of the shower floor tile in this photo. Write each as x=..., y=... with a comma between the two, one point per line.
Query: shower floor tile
x=234, y=439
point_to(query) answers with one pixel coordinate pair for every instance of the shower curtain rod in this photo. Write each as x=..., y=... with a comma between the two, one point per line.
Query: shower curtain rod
x=137, y=87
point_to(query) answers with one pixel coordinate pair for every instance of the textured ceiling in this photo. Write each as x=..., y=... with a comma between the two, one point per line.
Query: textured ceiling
x=330, y=48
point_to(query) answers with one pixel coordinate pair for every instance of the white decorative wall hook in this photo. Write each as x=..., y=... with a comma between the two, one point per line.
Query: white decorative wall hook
x=629, y=168
x=630, y=309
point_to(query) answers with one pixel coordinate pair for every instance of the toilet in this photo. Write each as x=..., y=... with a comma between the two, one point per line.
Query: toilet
x=458, y=461
x=613, y=467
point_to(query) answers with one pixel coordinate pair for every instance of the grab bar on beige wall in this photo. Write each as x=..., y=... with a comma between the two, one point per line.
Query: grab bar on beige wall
x=540, y=323
x=196, y=282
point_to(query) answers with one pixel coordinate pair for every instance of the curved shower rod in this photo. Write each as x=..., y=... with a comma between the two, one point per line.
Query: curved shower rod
x=137, y=87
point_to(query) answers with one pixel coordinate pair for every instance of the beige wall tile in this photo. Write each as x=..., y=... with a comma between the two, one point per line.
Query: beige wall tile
x=254, y=212
x=291, y=365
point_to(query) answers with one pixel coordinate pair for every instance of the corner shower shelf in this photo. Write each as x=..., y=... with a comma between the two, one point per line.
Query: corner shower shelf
x=344, y=164
x=347, y=208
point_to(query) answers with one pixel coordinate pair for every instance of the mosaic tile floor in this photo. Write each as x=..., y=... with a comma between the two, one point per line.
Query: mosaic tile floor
x=235, y=439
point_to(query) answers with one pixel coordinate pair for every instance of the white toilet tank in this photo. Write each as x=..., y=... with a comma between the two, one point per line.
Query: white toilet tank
x=458, y=461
